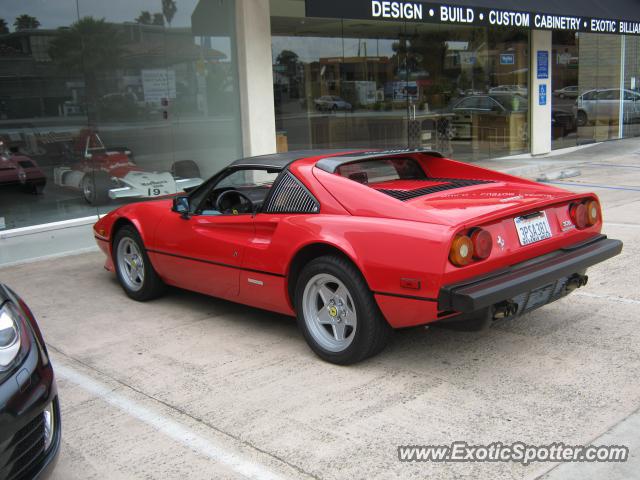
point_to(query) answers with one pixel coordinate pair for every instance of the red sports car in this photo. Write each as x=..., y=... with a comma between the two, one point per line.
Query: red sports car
x=357, y=243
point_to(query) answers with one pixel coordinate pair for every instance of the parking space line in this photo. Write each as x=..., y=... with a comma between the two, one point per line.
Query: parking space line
x=629, y=301
x=170, y=428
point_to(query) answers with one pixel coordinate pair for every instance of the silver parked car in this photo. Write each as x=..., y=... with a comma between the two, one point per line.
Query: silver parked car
x=604, y=105
x=332, y=103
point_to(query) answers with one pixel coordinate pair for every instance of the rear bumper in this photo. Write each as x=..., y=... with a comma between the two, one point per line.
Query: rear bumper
x=482, y=292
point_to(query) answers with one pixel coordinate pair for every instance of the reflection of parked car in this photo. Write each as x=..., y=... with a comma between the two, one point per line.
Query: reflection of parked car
x=355, y=244
x=102, y=174
x=497, y=104
x=29, y=410
x=331, y=103
x=17, y=169
x=604, y=105
x=567, y=92
x=514, y=89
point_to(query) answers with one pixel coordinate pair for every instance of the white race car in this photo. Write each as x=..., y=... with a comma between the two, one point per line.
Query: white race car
x=102, y=174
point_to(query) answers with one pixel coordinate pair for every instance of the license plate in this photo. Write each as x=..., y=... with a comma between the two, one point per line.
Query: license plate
x=532, y=228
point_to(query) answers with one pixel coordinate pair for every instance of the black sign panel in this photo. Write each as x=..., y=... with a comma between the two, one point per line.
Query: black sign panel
x=458, y=14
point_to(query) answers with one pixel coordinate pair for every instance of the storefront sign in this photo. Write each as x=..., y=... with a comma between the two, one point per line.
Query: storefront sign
x=158, y=84
x=542, y=65
x=507, y=59
x=417, y=11
x=542, y=94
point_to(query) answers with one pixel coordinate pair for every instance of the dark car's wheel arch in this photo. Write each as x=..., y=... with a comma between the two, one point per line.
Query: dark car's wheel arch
x=309, y=253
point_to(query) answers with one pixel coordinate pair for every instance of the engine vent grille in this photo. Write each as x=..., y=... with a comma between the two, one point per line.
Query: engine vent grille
x=450, y=183
x=290, y=196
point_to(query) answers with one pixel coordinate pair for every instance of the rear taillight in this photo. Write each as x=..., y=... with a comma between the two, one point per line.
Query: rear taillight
x=461, y=251
x=584, y=214
x=593, y=212
x=482, y=244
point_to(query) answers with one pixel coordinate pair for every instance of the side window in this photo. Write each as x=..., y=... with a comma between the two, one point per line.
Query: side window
x=487, y=103
x=240, y=192
x=467, y=103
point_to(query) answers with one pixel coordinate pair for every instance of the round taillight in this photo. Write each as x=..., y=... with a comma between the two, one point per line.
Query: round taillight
x=461, y=250
x=482, y=244
x=578, y=212
x=593, y=212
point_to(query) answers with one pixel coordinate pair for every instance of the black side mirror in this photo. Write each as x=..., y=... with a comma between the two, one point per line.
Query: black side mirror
x=181, y=205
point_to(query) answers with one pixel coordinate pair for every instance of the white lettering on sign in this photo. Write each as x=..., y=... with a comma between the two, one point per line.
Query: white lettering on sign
x=554, y=21
x=456, y=14
x=509, y=19
x=386, y=9
x=630, y=27
x=607, y=26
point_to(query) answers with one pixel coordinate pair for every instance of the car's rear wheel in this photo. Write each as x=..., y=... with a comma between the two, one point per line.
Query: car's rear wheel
x=337, y=313
x=185, y=169
x=135, y=273
x=95, y=187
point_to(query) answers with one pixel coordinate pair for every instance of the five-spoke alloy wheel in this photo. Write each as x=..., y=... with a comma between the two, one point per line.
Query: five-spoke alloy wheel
x=337, y=313
x=137, y=276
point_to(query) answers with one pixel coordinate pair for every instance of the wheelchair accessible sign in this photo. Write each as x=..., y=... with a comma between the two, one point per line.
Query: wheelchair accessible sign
x=542, y=94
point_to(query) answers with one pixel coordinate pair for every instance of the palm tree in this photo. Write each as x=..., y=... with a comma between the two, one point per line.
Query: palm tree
x=4, y=28
x=26, y=22
x=169, y=9
x=91, y=47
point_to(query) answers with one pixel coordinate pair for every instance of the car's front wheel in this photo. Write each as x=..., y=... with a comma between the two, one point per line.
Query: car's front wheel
x=337, y=313
x=582, y=119
x=135, y=273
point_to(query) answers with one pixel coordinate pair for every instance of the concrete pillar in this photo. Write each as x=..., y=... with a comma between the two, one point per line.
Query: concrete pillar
x=253, y=34
x=540, y=114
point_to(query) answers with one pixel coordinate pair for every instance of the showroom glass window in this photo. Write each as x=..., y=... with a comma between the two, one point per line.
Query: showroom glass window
x=357, y=83
x=596, y=90
x=99, y=100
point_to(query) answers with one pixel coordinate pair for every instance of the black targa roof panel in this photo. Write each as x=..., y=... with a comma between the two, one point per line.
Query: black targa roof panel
x=281, y=160
x=331, y=164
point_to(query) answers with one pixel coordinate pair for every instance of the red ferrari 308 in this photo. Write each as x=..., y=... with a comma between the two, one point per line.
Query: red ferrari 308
x=357, y=243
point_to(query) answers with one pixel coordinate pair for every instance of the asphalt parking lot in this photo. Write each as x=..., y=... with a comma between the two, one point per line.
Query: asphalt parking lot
x=189, y=386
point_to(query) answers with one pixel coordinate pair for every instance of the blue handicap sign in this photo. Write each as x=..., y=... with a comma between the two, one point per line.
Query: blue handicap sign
x=542, y=94
x=543, y=64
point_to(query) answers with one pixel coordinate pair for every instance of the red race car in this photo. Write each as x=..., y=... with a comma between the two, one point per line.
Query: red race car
x=357, y=243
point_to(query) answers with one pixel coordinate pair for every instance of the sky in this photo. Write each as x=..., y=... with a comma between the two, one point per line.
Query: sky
x=58, y=13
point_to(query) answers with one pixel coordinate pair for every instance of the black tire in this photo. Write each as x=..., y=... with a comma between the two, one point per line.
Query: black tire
x=372, y=332
x=185, y=169
x=152, y=285
x=95, y=187
x=334, y=109
x=582, y=119
x=35, y=188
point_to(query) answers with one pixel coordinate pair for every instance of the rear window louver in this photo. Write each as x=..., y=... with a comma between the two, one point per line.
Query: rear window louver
x=450, y=184
x=290, y=196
